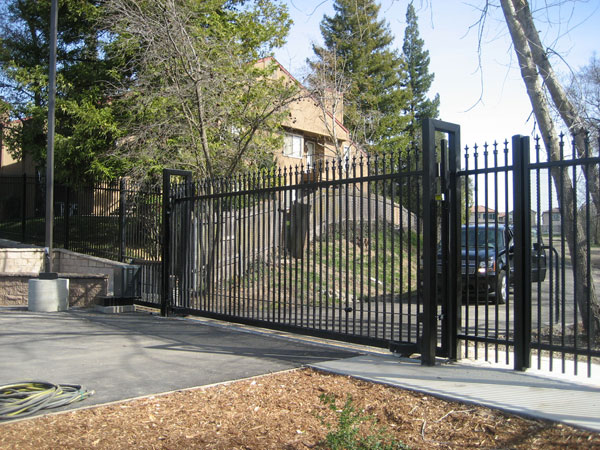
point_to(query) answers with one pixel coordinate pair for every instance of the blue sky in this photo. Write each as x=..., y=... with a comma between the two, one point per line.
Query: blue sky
x=489, y=103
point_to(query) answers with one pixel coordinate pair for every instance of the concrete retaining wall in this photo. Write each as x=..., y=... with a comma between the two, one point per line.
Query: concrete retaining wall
x=21, y=260
x=70, y=262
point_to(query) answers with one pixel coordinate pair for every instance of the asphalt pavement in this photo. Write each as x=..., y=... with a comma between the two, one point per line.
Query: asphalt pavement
x=123, y=356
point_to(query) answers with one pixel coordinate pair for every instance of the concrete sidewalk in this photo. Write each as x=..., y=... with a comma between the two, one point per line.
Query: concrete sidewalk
x=524, y=393
x=541, y=395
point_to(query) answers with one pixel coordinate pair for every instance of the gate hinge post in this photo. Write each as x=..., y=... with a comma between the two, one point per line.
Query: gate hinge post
x=438, y=187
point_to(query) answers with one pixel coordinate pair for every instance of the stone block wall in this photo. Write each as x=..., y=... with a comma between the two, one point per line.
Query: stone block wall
x=71, y=262
x=21, y=260
x=89, y=276
x=83, y=288
x=31, y=260
x=14, y=288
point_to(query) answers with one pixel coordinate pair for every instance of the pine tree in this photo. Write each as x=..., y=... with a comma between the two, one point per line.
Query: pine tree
x=374, y=100
x=418, y=81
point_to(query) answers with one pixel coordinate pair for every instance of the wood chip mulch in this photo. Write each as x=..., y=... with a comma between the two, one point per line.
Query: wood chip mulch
x=284, y=411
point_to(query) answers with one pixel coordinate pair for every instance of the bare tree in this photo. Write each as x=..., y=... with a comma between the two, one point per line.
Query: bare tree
x=201, y=98
x=328, y=84
x=584, y=93
x=198, y=98
x=539, y=78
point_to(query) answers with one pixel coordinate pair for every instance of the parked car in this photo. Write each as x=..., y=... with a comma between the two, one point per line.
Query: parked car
x=487, y=252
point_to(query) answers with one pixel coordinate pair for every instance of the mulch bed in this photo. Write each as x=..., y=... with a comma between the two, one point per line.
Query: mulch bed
x=286, y=411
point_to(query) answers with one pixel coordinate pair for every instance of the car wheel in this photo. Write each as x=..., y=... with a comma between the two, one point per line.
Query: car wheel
x=501, y=288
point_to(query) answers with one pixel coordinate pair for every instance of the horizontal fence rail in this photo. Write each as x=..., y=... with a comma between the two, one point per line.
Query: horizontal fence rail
x=333, y=250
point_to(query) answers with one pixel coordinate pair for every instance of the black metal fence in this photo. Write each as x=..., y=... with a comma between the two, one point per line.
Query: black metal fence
x=531, y=261
x=489, y=252
x=114, y=220
x=332, y=250
x=456, y=254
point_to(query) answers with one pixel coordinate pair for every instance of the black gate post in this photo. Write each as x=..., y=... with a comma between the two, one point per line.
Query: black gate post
x=431, y=175
x=522, y=251
x=443, y=275
x=430, y=179
x=165, y=304
x=67, y=218
x=166, y=241
x=453, y=312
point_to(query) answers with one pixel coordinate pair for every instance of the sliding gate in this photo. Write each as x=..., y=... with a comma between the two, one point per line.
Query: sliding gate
x=488, y=252
x=334, y=249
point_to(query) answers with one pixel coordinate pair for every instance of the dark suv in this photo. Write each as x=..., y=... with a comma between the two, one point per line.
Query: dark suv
x=487, y=261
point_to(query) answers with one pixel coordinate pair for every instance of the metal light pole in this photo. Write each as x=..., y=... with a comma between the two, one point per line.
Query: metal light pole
x=50, y=149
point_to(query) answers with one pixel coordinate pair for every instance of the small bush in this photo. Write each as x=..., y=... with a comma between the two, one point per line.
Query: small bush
x=347, y=435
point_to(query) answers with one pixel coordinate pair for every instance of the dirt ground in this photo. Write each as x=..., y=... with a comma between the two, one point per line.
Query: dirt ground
x=286, y=411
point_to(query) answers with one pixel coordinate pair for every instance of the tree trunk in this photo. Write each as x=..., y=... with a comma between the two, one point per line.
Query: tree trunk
x=585, y=293
x=214, y=234
x=564, y=106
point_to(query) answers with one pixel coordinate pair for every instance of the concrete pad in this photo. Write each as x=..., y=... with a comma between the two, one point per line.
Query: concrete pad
x=135, y=354
x=119, y=309
x=576, y=404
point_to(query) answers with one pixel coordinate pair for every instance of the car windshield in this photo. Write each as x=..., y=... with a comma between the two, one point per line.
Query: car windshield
x=480, y=237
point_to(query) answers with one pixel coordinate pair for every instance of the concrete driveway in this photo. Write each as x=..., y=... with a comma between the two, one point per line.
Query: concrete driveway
x=130, y=355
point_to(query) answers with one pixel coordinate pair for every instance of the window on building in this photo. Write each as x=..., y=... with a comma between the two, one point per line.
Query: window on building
x=310, y=154
x=293, y=145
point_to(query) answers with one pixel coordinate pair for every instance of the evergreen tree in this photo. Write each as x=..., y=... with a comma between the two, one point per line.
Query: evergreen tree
x=85, y=123
x=374, y=99
x=418, y=80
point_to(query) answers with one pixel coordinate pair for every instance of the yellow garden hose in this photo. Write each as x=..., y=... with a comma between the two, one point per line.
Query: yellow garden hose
x=23, y=399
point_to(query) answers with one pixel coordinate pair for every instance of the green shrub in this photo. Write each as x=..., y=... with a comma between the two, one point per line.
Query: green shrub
x=346, y=434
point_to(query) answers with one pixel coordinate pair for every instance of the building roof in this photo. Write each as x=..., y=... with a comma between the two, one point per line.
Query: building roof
x=480, y=208
x=309, y=95
x=284, y=70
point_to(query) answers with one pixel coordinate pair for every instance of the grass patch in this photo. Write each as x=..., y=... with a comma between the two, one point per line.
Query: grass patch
x=335, y=269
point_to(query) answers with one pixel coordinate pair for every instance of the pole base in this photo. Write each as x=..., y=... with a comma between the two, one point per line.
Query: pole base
x=48, y=295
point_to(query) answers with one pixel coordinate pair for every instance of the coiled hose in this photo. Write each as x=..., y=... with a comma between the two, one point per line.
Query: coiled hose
x=24, y=399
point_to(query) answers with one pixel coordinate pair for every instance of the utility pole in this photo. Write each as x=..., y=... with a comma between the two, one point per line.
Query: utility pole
x=48, y=292
x=50, y=149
